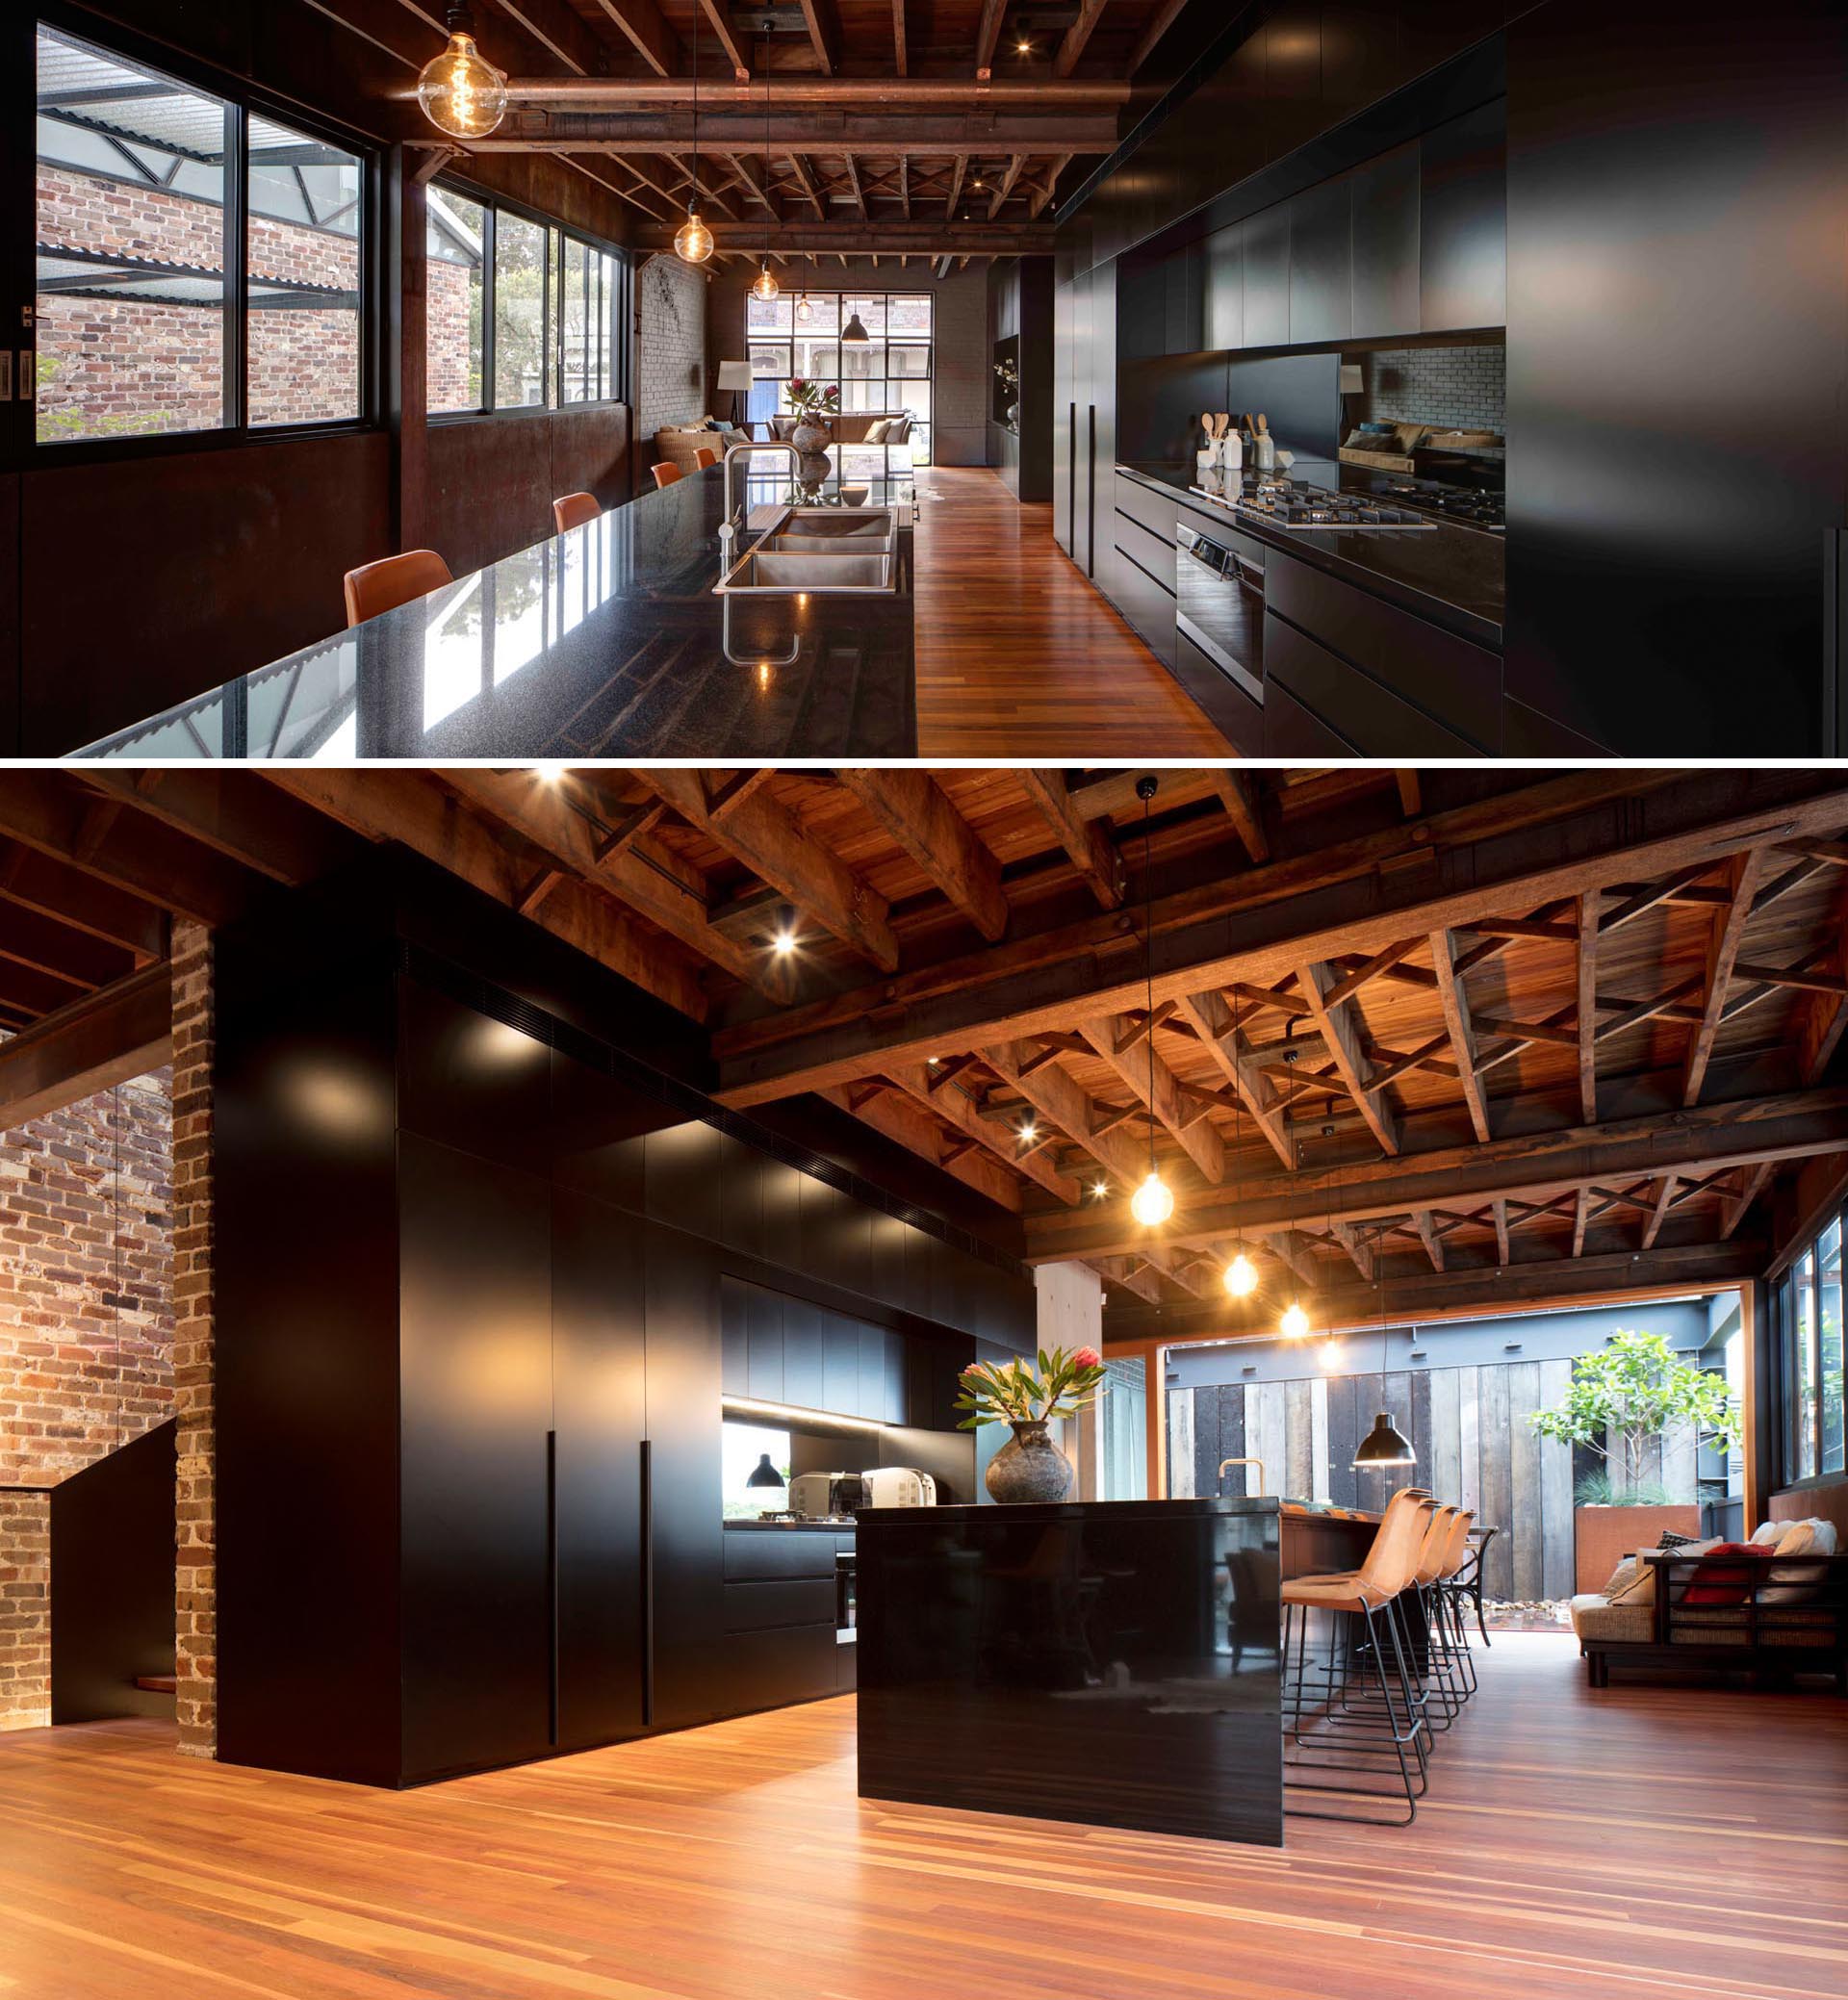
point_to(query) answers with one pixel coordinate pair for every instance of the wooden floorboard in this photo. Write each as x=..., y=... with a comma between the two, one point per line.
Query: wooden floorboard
x=1640, y=1843
x=1018, y=655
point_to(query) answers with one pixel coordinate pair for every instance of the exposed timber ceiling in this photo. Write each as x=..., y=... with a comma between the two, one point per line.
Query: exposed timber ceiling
x=830, y=127
x=1492, y=1035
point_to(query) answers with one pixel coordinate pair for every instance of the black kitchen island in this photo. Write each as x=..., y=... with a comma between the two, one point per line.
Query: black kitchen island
x=607, y=642
x=1110, y=1662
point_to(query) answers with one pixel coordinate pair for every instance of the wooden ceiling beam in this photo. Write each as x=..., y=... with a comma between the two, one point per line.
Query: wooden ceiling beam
x=824, y=34
x=92, y=1043
x=1010, y=175
x=647, y=31
x=1425, y=1223
x=1824, y=1017
x=47, y=944
x=1291, y=1249
x=1086, y=846
x=1049, y=186
x=606, y=847
x=952, y=1103
x=916, y=811
x=959, y=169
x=1158, y=24
x=1314, y=981
x=901, y=56
x=1225, y=1043
x=1744, y=873
x=433, y=821
x=1658, y=1210
x=31, y=881
x=988, y=34
x=1462, y=1032
x=807, y=181
x=559, y=29
x=767, y=838
x=1154, y=1085
x=1703, y=1139
x=716, y=19
x=1065, y=59
x=1055, y=1095
x=904, y=1122
x=752, y=237
x=877, y=129
x=235, y=814
x=1244, y=808
x=1532, y=848
x=1751, y=1184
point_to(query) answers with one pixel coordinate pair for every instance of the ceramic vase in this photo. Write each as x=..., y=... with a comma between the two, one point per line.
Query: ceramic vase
x=1029, y=1466
x=811, y=441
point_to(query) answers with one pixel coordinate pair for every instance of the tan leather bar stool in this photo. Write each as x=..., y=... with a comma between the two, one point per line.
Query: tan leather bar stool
x=574, y=510
x=377, y=587
x=666, y=472
x=1447, y=1598
x=703, y=457
x=1365, y=1594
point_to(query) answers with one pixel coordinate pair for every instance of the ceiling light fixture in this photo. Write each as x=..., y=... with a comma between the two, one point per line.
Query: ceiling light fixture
x=1240, y=1276
x=1295, y=1322
x=1153, y=1202
x=1098, y=1189
x=549, y=770
x=1385, y=1444
x=460, y=91
x=693, y=240
x=855, y=328
x=782, y=943
x=1029, y=1132
x=764, y=286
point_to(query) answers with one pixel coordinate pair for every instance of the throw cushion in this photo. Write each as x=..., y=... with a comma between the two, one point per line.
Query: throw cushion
x=1728, y=1575
x=1639, y=1588
x=1672, y=1541
x=1768, y=1531
x=877, y=430
x=1624, y=1574
x=1799, y=1583
x=900, y=432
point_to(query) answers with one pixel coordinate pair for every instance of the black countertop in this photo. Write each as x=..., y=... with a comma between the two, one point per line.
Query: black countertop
x=603, y=641
x=789, y=1528
x=1451, y=575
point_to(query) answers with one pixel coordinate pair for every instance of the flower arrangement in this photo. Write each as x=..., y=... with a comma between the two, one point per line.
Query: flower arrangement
x=1013, y=1392
x=811, y=400
x=1009, y=371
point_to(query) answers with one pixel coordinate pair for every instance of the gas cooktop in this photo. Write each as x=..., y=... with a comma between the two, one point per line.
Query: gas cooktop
x=1470, y=506
x=1286, y=504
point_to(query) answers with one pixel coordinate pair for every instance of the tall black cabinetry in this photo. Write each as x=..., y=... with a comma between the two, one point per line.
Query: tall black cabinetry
x=1085, y=413
x=469, y=1333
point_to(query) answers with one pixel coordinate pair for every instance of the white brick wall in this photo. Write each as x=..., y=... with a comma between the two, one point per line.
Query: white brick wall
x=670, y=345
x=1458, y=388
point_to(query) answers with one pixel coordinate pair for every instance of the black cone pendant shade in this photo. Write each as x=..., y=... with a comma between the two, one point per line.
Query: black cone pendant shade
x=1384, y=1444
x=763, y=1473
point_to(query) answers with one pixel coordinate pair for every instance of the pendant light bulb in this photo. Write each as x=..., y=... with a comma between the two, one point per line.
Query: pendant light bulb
x=766, y=286
x=461, y=92
x=1295, y=1322
x=805, y=312
x=1240, y=1276
x=1153, y=1202
x=693, y=240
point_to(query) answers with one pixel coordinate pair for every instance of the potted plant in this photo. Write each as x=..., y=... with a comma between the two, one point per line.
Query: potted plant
x=1633, y=1391
x=814, y=404
x=1029, y=1466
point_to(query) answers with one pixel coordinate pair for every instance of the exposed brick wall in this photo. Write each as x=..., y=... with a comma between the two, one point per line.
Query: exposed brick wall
x=960, y=393
x=1458, y=388
x=85, y=1334
x=670, y=345
x=445, y=306
x=195, y=1606
x=25, y=1610
x=86, y=1305
x=132, y=368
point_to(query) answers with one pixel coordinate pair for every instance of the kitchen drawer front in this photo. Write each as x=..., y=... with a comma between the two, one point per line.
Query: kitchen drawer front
x=1155, y=511
x=1148, y=551
x=846, y=1669
x=1237, y=717
x=1526, y=733
x=762, y=1606
x=1147, y=606
x=770, y=1669
x=758, y=1552
x=1218, y=527
x=1444, y=675
x=1366, y=713
x=1291, y=730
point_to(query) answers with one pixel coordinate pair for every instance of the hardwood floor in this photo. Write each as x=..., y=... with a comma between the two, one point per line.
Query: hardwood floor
x=1644, y=1842
x=1018, y=655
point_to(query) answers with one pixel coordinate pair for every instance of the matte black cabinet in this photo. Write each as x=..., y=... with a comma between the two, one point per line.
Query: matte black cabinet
x=1383, y=195
x=1223, y=309
x=1267, y=278
x=1321, y=258
x=1065, y=395
x=1462, y=251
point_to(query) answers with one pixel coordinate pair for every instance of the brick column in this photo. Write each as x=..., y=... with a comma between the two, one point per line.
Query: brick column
x=195, y=1606
x=25, y=1610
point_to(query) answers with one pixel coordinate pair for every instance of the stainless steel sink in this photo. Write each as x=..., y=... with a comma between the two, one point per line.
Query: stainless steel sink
x=829, y=550
x=777, y=572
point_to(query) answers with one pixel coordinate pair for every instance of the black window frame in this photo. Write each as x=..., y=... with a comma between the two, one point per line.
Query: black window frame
x=884, y=341
x=242, y=100
x=620, y=309
x=1780, y=1294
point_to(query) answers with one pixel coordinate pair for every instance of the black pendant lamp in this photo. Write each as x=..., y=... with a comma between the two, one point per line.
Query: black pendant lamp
x=855, y=328
x=1385, y=1444
x=763, y=1473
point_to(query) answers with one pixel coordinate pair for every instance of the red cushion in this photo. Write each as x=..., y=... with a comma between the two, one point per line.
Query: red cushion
x=1728, y=1575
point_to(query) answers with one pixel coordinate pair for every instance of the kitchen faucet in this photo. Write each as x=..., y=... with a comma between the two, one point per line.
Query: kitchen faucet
x=734, y=516
x=1258, y=1462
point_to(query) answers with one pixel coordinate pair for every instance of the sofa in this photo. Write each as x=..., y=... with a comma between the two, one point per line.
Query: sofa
x=1772, y=1606
x=851, y=426
x=677, y=443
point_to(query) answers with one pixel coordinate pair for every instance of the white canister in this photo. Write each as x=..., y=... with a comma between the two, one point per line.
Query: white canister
x=1264, y=453
x=1232, y=460
x=1206, y=469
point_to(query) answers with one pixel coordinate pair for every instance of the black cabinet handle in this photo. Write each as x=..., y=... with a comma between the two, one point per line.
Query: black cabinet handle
x=1071, y=483
x=648, y=1582
x=551, y=1579
x=1091, y=494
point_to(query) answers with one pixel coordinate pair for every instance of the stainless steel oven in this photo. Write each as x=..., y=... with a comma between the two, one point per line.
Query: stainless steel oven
x=1218, y=588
